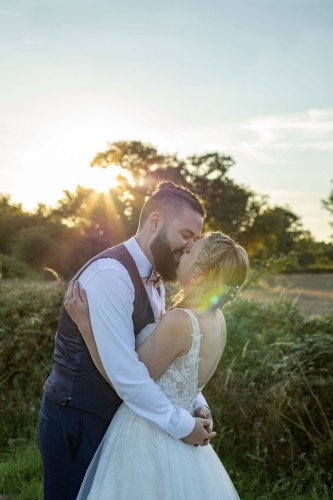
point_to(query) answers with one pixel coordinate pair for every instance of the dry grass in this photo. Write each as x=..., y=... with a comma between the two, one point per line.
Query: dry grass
x=314, y=292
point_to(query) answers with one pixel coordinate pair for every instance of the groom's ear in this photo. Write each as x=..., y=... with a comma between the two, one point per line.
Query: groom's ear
x=156, y=221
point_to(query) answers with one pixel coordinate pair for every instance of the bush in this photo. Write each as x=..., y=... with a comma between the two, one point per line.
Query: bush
x=29, y=313
x=11, y=267
x=32, y=245
x=271, y=397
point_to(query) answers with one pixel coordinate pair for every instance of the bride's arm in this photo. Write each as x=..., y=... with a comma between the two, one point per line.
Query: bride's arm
x=171, y=338
x=78, y=309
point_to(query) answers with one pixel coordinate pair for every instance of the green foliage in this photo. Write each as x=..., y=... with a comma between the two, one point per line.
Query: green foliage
x=11, y=267
x=328, y=203
x=29, y=313
x=21, y=470
x=272, y=398
x=32, y=244
x=271, y=395
x=133, y=156
x=273, y=265
x=228, y=205
x=274, y=230
x=12, y=219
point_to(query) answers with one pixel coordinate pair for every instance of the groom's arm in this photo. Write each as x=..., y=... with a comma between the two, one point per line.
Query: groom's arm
x=110, y=293
x=78, y=308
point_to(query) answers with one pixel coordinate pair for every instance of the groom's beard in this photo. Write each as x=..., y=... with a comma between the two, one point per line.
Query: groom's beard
x=165, y=260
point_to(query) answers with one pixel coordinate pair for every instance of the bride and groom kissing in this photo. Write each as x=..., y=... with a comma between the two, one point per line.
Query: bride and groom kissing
x=122, y=414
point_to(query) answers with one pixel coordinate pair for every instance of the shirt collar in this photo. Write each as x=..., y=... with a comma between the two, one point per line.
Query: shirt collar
x=141, y=260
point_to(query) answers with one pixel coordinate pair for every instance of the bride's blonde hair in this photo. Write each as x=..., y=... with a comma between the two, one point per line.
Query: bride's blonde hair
x=221, y=270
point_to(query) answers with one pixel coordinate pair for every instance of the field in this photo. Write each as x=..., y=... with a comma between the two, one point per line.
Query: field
x=313, y=292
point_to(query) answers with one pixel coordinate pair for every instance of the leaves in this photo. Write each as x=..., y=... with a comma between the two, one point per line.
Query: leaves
x=28, y=313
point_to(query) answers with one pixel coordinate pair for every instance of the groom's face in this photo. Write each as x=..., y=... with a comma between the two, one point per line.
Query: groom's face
x=175, y=236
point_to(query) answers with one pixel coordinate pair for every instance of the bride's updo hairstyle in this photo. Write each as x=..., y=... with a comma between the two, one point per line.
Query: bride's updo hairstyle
x=170, y=199
x=220, y=270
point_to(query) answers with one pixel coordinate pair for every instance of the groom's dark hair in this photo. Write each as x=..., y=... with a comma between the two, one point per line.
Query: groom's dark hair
x=170, y=198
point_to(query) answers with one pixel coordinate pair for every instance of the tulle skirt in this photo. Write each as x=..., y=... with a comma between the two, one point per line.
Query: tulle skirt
x=137, y=461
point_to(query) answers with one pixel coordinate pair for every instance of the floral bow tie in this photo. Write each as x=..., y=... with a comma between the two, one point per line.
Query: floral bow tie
x=154, y=279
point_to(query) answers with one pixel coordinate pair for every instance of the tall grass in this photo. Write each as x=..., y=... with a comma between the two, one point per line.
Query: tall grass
x=21, y=470
x=271, y=399
x=271, y=395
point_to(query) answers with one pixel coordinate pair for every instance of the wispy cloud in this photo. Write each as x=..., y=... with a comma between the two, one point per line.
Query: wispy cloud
x=312, y=129
x=259, y=137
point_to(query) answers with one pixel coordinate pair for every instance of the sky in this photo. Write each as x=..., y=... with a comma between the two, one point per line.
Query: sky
x=251, y=79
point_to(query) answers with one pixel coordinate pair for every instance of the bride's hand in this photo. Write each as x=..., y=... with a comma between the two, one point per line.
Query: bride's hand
x=204, y=412
x=76, y=304
x=200, y=433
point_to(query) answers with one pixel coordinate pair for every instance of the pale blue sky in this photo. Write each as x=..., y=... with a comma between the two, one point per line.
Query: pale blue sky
x=252, y=79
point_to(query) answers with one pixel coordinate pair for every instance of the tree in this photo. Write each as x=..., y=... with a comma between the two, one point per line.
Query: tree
x=275, y=230
x=98, y=217
x=32, y=244
x=328, y=204
x=85, y=222
x=12, y=219
x=228, y=205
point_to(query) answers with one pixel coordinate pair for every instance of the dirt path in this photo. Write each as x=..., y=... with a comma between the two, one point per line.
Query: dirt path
x=314, y=292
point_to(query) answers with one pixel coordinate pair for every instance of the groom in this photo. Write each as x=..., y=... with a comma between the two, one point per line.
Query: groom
x=78, y=404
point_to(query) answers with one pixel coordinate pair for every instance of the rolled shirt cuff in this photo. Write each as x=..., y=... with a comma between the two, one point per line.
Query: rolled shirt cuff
x=181, y=424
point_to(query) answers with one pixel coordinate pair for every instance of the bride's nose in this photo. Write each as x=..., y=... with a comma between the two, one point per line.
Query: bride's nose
x=188, y=246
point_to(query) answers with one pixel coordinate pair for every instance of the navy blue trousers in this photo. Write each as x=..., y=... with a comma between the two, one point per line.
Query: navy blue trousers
x=68, y=439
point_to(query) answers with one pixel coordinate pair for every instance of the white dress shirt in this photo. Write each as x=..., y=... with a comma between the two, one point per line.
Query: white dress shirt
x=110, y=294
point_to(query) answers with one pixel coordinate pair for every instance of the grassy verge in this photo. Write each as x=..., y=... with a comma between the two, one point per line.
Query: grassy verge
x=21, y=471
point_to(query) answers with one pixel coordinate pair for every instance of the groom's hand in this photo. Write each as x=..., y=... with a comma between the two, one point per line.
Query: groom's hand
x=204, y=412
x=200, y=433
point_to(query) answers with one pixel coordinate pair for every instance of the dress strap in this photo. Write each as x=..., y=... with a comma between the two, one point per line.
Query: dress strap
x=195, y=324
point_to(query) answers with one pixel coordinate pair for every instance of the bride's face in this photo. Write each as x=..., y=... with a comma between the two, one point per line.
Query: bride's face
x=188, y=260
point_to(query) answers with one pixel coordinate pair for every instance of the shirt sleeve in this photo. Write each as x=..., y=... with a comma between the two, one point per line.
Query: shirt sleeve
x=200, y=401
x=110, y=293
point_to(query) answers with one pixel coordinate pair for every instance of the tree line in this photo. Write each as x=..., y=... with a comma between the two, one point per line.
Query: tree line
x=84, y=222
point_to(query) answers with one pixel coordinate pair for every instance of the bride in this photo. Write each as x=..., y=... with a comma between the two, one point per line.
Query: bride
x=136, y=460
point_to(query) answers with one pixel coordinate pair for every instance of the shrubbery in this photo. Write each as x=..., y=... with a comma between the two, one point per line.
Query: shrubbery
x=11, y=267
x=29, y=313
x=271, y=396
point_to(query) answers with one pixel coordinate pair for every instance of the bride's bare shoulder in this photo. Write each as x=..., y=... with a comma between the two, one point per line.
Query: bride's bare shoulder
x=178, y=320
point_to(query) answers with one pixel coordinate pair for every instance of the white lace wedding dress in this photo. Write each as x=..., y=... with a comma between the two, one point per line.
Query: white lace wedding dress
x=137, y=461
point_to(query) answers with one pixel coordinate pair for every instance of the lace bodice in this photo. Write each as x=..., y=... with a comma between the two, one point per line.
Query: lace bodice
x=179, y=382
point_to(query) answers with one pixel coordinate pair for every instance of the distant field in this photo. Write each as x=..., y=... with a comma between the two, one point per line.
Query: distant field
x=314, y=292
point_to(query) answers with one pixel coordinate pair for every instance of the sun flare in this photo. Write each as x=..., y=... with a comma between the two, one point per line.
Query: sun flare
x=101, y=180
